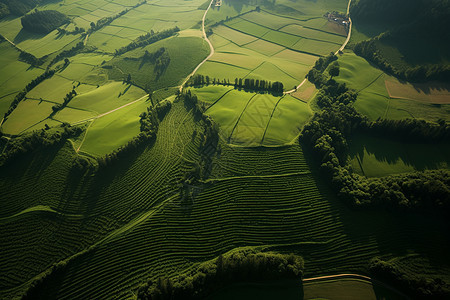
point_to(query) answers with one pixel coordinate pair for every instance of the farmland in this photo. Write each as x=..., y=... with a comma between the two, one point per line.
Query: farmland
x=122, y=176
x=381, y=95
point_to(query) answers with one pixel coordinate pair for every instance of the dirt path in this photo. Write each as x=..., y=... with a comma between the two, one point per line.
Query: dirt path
x=349, y=29
x=211, y=48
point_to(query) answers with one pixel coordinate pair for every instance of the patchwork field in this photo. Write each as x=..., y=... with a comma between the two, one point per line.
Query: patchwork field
x=374, y=100
x=375, y=157
x=270, y=43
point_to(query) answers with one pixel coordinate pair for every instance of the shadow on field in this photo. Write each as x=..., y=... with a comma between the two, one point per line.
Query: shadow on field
x=24, y=35
x=419, y=156
x=262, y=290
x=381, y=231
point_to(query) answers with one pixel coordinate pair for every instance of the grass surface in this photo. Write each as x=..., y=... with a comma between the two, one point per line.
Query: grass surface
x=259, y=197
x=374, y=157
x=374, y=100
x=249, y=119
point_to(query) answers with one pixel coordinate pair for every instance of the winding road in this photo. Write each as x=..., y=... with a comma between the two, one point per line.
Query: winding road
x=211, y=48
x=340, y=49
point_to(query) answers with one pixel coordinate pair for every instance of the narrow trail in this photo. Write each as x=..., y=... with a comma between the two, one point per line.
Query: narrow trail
x=211, y=48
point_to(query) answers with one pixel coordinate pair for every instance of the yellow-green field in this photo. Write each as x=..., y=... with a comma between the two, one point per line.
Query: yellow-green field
x=271, y=44
x=250, y=119
x=375, y=101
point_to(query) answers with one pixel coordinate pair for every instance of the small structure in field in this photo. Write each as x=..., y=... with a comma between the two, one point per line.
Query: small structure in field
x=338, y=18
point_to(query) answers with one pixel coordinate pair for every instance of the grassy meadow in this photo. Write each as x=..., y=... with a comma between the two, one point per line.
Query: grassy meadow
x=375, y=156
x=427, y=102
x=251, y=119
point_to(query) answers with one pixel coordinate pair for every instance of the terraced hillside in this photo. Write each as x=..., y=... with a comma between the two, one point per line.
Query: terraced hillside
x=135, y=226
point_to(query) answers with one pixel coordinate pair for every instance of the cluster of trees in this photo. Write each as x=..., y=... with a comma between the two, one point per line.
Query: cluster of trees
x=327, y=135
x=147, y=39
x=370, y=51
x=31, y=59
x=77, y=30
x=69, y=96
x=239, y=266
x=160, y=58
x=67, y=53
x=16, y=7
x=21, y=95
x=249, y=84
x=209, y=138
x=411, y=130
x=149, y=127
x=37, y=140
x=315, y=75
x=43, y=21
x=416, y=286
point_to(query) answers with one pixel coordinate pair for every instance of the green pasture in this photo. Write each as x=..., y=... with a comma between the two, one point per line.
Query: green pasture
x=109, y=132
x=348, y=289
x=287, y=121
x=53, y=89
x=210, y=94
x=107, y=97
x=375, y=156
x=373, y=98
x=28, y=114
x=14, y=76
x=143, y=74
x=250, y=119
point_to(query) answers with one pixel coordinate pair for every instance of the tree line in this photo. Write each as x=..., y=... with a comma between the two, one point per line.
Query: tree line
x=43, y=21
x=208, y=277
x=369, y=50
x=147, y=39
x=248, y=84
x=37, y=140
x=69, y=96
x=149, y=123
x=67, y=53
x=208, y=147
x=327, y=133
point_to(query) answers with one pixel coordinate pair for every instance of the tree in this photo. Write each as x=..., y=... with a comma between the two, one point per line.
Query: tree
x=334, y=69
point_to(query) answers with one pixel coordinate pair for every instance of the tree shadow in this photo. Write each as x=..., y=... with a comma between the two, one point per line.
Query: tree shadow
x=24, y=35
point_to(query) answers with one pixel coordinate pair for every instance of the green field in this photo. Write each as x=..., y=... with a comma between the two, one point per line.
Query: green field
x=133, y=215
x=271, y=44
x=79, y=221
x=375, y=156
x=373, y=97
x=250, y=119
